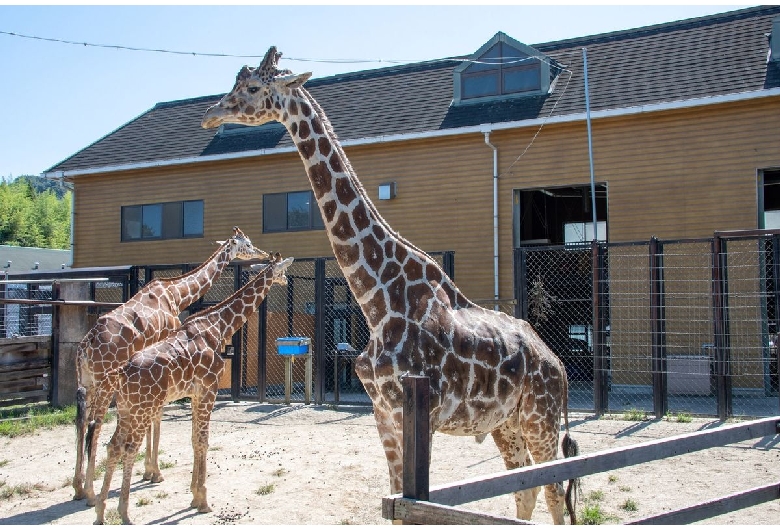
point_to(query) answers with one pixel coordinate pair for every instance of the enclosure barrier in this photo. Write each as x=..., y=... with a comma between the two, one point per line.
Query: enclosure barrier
x=419, y=504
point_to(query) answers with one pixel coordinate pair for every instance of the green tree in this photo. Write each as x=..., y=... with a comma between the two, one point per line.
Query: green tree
x=33, y=214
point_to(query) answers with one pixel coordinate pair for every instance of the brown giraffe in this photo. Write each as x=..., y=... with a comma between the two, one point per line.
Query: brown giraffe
x=186, y=364
x=149, y=316
x=489, y=372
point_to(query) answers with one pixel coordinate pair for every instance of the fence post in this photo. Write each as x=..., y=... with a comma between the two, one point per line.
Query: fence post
x=238, y=359
x=521, y=284
x=600, y=375
x=416, y=437
x=721, y=327
x=657, y=337
x=320, y=355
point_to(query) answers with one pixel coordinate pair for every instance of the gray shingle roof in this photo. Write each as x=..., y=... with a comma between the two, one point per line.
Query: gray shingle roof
x=695, y=58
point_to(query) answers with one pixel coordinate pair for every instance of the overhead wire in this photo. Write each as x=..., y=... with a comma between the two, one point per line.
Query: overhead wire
x=508, y=60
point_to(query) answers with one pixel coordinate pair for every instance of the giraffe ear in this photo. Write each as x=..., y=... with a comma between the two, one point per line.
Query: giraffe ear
x=294, y=80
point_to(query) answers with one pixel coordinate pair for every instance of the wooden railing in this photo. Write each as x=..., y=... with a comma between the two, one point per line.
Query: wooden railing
x=420, y=504
x=25, y=370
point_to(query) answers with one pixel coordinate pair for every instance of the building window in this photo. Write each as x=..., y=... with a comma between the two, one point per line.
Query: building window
x=290, y=212
x=502, y=68
x=166, y=220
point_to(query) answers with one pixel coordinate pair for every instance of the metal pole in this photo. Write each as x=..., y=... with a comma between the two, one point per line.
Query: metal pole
x=590, y=143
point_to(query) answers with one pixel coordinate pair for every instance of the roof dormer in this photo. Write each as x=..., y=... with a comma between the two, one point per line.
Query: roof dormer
x=502, y=68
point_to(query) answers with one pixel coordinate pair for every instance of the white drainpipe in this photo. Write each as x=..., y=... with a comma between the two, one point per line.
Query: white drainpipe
x=495, y=218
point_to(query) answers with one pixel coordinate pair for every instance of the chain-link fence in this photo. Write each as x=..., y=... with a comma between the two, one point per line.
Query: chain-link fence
x=660, y=326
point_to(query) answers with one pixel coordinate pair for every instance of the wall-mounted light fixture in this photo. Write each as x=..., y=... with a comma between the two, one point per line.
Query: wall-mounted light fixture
x=387, y=191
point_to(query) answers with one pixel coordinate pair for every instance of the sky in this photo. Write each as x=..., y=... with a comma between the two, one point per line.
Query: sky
x=58, y=98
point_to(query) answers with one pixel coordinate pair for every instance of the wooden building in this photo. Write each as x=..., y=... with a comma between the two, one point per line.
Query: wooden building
x=477, y=154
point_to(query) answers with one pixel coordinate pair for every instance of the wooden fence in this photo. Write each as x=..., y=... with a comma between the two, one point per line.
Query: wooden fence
x=25, y=370
x=419, y=504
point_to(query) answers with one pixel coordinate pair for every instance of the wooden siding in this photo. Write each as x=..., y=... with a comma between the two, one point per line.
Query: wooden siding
x=673, y=174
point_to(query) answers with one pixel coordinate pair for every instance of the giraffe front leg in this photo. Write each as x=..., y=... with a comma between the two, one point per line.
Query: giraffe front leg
x=515, y=454
x=201, y=415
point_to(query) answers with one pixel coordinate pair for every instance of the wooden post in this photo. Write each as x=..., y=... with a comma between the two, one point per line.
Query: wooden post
x=416, y=437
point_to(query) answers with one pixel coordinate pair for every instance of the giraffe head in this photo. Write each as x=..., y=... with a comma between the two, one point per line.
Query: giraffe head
x=256, y=98
x=240, y=247
x=279, y=265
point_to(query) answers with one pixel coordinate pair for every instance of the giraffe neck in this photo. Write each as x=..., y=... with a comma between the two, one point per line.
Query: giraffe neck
x=230, y=314
x=189, y=287
x=377, y=262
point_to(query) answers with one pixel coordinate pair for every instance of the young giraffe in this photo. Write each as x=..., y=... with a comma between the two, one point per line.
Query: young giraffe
x=489, y=372
x=149, y=316
x=186, y=364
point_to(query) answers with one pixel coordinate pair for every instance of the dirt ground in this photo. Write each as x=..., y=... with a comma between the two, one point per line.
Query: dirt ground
x=276, y=464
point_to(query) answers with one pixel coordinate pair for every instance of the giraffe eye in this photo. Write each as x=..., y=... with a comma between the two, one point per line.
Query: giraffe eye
x=253, y=89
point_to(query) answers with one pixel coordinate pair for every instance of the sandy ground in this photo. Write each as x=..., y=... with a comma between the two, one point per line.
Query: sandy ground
x=276, y=464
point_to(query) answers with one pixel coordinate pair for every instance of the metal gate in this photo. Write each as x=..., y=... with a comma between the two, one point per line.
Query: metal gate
x=660, y=326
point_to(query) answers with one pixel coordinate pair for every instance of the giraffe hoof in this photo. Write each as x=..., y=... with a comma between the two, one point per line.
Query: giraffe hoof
x=204, y=508
x=157, y=477
x=90, y=502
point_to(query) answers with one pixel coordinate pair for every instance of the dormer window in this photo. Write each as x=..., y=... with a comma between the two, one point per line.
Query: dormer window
x=502, y=68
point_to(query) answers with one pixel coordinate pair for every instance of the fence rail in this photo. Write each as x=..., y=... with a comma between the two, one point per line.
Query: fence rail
x=423, y=505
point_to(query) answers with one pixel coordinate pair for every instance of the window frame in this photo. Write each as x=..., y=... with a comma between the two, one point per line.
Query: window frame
x=315, y=221
x=166, y=231
x=470, y=70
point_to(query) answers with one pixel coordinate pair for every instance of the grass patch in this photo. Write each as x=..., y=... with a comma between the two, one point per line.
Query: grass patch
x=20, y=490
x=279, y=472
x=595, y=496
x=683, y=417
x=594, y=514
x=4, y=462
x=143, y=501
x=612, y=479
x=635, y=415
x=629, y=505
x=112, y=517
x=266, y=489
x=625, y=488
x=161, y=495
x=16, y=421
x=166, y=464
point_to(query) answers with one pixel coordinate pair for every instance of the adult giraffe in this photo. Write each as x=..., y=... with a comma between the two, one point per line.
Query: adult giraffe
x=149, y=316
x=489, y=372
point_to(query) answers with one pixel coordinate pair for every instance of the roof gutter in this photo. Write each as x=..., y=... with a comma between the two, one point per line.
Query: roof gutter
x=477, y=129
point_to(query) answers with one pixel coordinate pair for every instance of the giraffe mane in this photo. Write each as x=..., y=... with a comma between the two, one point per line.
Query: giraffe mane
x=352, y=175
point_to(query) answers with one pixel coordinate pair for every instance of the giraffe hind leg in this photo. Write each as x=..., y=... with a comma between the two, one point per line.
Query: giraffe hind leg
x=81, y=428
x=542, y=440
x=515, y=454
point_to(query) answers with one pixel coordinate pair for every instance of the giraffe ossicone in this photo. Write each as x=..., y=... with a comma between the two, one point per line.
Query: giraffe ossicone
x=186, y=364
x=149, y=316
x=489, y=372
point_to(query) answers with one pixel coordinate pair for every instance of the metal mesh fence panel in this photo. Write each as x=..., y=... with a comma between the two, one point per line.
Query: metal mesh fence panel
x=346, y=335
x=290, y=312
x=559, y=306
x=749, y=275
x=24, y=319
x=628, y=330
x=688, y=331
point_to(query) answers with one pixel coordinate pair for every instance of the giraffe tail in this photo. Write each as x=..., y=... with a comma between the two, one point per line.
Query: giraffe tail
x=570, y=448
